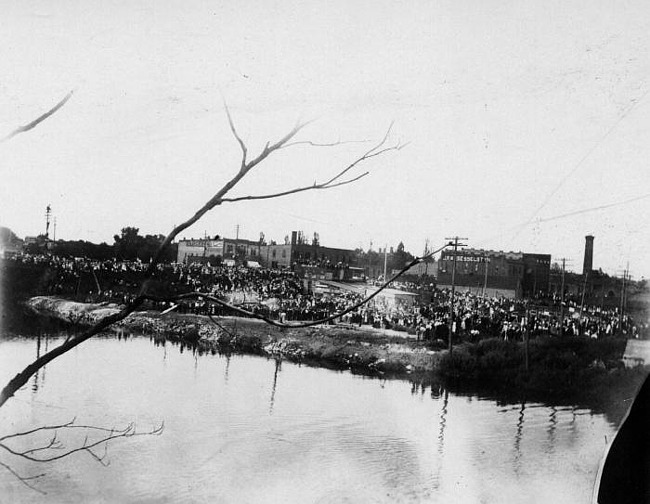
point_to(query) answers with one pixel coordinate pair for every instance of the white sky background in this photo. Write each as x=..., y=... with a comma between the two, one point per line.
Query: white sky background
x=508, y=106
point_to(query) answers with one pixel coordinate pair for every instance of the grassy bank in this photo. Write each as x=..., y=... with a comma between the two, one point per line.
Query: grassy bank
x=570, y=367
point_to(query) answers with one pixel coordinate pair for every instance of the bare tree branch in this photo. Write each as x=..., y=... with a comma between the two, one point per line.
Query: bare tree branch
x=54, y=444
x=221, y=326
x=46, y=427
x=370, y=154
x=38, y=120
x=57, y=446
x=314, y=187
x=128, y=431
x=219, y=197
x=237, y=137
x=332, y=182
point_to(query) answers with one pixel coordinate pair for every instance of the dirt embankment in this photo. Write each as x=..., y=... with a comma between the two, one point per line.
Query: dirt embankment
x=361, y=348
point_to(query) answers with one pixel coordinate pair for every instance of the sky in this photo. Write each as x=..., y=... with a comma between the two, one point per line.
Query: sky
x=526, y=122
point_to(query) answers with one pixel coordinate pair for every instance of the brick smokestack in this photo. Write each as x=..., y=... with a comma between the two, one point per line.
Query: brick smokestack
x=588, y=264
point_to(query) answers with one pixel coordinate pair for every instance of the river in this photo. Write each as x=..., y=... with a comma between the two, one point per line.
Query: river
x=245, y=429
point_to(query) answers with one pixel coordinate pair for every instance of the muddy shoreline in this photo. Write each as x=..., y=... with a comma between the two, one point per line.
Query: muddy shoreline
x=364, y=349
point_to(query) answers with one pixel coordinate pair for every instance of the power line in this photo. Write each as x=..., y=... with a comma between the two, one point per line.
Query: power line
x=568, y=214
x=593, y=209
x=584, y=158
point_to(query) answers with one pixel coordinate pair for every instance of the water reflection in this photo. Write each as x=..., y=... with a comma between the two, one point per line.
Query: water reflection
x=551, y=430
x=325, y=436
x=42, y=347
x=518, y=436
x=278, y=367
x=38, y=355
x=227, y=369
x=443, y=422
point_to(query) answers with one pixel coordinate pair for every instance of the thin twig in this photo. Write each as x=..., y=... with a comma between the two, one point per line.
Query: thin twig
x=128, y=431
x=315, y=187
x=236, y=135
x=25, y=479
x=316, y=144
x=332, y=182
x=46, y=427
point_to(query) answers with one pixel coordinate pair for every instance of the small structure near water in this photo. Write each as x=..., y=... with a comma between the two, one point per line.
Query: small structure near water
x=637, y=353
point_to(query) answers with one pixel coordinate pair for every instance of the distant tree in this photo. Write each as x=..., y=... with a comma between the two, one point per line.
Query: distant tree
x=40, y=246
x=400, y=257
x=127, y=243
x=130, y=245
x=80, y=248
x=7, y=236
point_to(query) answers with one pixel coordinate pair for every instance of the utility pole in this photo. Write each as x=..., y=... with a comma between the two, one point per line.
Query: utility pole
x=527, y=337
x=486, y=263
x=48, y=214
x=626, y=277
x=385, y=261
x=584, y=291
x=627, y=287
x=426, y=256
x=562, y=300
x=236, y=241
x=453, y=242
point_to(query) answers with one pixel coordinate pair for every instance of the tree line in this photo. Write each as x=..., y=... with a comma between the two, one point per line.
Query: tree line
x=129, y=245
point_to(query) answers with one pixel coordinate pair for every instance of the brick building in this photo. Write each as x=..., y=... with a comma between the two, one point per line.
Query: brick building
x=204, y=249
x=509, y=274
x=299, y=250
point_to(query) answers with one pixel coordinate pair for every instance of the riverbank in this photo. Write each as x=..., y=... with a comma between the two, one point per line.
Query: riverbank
x=568, y=369
x=364, y=349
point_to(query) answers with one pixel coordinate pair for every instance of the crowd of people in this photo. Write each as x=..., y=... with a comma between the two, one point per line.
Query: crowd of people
x=281, y=295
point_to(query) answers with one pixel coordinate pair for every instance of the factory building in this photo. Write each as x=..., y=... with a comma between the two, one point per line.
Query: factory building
x=495, y=273
x=300, y=251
